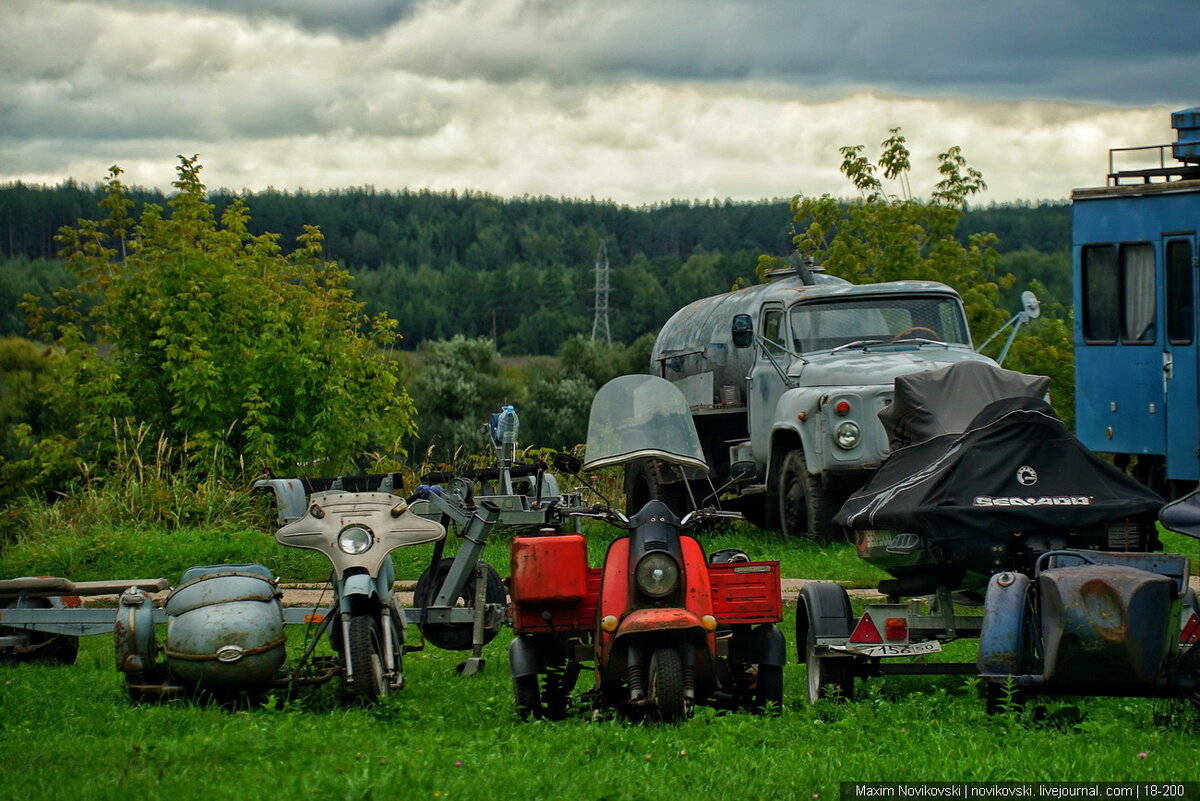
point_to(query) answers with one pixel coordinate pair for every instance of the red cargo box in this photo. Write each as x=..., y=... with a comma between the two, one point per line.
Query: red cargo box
x=746, y=592
x=567, y=618
x=550, y=575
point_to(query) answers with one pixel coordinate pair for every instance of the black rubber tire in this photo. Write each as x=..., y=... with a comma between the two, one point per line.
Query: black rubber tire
x=822, y=670
x=666, y=686
x=528, y=697
x=768, y=690
x=366, y=658
x=805, y=508
x=455, y=636
x=642, y=486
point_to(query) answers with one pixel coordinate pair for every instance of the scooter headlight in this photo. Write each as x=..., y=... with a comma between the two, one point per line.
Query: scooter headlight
x=657, y=574
x=847, y=435
x=355, y=540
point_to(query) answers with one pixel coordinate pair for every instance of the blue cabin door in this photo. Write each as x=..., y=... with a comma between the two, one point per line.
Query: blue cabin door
x=1181, y=356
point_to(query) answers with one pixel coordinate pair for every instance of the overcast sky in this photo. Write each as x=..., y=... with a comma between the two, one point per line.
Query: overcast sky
x=637, y=101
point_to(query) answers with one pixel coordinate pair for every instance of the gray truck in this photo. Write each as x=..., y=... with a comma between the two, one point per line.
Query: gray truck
x=786, y=380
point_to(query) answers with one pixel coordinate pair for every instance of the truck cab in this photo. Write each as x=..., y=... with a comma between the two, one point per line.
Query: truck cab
x=786, y=381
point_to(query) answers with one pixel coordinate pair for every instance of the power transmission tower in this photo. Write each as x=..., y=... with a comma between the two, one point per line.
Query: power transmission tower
x=600, y=321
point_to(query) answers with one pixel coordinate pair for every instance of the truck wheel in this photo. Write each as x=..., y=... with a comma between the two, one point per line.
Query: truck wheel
x=804, y=507
x=366, y=659
x=642, y=486
x=666, y=686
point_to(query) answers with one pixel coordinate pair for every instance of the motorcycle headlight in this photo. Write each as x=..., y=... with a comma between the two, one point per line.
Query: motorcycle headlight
x=355, y=540
x=657, y=574
x=847, y=435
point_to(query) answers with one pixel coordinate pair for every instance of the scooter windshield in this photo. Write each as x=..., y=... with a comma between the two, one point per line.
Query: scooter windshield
x=638, y=417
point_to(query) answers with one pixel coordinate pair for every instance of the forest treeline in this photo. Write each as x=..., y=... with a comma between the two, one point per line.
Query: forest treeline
x=520, y=271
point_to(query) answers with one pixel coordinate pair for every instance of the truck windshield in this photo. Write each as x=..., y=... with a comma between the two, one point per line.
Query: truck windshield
x=825, y=325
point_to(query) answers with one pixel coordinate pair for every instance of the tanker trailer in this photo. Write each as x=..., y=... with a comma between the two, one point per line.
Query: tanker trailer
x=786, y=380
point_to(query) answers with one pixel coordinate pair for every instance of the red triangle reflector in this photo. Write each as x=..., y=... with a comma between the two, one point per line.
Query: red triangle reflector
x=865, y=631
x=1191, y=630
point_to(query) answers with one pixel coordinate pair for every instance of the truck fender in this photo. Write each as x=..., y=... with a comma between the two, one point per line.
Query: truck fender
x=1002, y=638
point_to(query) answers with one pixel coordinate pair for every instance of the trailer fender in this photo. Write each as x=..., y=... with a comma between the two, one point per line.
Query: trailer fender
x=825, y=607
x=1002, y=639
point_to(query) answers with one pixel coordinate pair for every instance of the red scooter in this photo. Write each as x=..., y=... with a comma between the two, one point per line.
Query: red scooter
x=662, y=627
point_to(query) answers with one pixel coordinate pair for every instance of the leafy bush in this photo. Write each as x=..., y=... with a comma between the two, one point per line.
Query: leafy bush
x=215, y=342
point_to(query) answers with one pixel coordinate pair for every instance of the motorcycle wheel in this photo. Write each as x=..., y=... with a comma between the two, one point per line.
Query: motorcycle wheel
x=366, y=658
x=666, y=686
x=768, y=691
x=455, y=636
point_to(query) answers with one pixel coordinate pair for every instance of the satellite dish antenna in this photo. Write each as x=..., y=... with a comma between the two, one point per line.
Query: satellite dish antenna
x=1031, y=305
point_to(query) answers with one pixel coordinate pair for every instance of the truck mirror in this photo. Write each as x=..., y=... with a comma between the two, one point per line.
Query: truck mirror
x=743, y=331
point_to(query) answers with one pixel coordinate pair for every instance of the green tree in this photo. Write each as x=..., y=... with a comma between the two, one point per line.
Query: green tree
x=888, y=237
x=229, y=350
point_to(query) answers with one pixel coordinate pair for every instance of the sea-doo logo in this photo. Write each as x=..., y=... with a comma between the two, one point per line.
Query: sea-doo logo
x=1026, y=476
x=1045, y=500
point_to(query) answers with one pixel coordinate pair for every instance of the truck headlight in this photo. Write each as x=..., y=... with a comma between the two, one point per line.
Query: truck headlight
x=657, y=574
x=847, y=435
x=355, y=540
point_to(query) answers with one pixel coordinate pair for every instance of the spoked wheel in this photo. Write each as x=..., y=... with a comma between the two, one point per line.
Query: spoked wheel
x=805, y=509
x=824, y=670
x=455, y=636
x=666, y=686
x=366, y=659
x=768, y=689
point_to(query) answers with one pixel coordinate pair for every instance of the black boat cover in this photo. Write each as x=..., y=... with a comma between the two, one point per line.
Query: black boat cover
x=1014, y=468
x=944, y=401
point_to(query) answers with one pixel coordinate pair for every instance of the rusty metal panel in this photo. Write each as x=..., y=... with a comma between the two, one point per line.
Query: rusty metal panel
x=1106, y=624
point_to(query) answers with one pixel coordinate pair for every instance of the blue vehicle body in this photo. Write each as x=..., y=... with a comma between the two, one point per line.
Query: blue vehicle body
x=1137, y=355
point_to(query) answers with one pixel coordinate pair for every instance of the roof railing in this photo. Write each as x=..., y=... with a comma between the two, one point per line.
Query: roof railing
x=1163, y=173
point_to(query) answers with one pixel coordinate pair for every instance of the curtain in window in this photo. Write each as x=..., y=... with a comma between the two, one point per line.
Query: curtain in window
x=1138, y=263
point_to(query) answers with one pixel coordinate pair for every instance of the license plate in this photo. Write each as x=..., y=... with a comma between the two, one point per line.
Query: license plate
x=912, y=649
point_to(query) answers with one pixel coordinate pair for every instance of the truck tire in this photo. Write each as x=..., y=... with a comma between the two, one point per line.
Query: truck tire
x=805, y=508
x=642, y=486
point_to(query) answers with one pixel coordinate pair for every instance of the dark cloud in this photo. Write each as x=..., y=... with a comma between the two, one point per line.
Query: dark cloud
x=1080, y=50
x=355, y=18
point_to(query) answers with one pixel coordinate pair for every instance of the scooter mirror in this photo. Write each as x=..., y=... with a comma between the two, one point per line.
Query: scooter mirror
x=566, y=463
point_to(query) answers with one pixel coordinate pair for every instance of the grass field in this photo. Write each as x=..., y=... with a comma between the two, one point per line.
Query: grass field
x=69, y=732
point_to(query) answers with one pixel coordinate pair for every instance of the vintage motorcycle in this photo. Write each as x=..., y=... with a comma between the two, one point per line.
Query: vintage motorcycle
x=662, y=627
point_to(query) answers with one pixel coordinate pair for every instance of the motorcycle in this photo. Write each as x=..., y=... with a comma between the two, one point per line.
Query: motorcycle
x=663, y=628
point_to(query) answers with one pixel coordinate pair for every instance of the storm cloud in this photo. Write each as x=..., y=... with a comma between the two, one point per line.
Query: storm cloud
x=633, y=101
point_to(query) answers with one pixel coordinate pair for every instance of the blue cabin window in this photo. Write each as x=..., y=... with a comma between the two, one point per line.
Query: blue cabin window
x=1138, y=294
x=1099, y=277
x=1181, y=310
